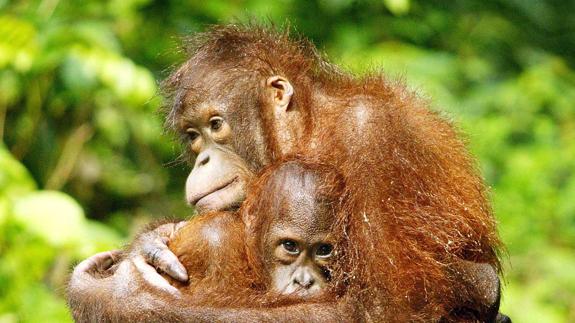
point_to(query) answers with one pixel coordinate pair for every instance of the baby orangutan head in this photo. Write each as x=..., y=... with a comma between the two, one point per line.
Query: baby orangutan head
x=297, y=214
x=299, y=250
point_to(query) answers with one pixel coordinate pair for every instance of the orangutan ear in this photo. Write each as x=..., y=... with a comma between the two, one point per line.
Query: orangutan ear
x=281, y=92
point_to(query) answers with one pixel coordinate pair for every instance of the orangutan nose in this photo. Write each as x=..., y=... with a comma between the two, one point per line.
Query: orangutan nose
x=202, y=159
x=304, y=279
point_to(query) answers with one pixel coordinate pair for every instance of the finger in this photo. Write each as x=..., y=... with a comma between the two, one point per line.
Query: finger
x=162, y=258
x=108, y=267
x=84, y=277
x=175, y=228
x=153, y=246
x=150, y=274
x=113, y=257
x=100, y=260
x=165, y=230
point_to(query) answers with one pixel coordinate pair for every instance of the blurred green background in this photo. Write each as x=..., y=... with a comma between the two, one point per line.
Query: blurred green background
x=84, y=160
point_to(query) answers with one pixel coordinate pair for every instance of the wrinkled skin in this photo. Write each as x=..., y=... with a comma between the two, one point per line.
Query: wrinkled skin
x=238, y=118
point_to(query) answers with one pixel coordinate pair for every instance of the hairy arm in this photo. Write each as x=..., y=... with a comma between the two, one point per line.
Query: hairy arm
x=118, y=286
x=340, y=311
x=104, y=290
x=89, y=284
x=129, y=295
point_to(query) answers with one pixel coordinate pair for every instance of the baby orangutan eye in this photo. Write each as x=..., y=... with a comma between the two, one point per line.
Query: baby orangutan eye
x=216, y=123
x=290, y=246
x=324, y=250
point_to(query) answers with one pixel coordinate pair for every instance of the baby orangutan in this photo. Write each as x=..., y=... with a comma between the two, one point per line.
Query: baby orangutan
x=278, y=249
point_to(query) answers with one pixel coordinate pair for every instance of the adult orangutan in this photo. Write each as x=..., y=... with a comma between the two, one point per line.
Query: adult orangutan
x=418, y=210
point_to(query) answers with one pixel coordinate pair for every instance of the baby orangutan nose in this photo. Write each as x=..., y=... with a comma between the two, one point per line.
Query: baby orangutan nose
x=300, y=269
x=304, y=283
x=303, y=278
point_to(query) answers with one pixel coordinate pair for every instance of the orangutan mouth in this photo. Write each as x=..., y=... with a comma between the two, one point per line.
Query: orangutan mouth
x=215, y=190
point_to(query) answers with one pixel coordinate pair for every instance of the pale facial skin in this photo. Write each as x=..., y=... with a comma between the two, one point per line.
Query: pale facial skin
x=219, y=176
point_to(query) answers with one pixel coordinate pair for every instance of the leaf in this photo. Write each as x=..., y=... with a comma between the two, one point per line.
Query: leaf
x=18, y=45
x=15, y=180
x=397, y=7
x=54, y=216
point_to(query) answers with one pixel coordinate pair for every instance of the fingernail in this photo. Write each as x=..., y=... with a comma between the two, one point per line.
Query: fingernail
x=181, y=272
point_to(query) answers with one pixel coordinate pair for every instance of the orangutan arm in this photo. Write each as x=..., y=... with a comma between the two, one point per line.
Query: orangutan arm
x=314, y=312
x=305, y=312
x=90, y=281
x=127, y=295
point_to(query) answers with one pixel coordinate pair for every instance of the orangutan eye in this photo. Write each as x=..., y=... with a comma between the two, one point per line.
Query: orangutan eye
x=192, y=134
x=324, y=250
x=290, y=246
x=216, y=123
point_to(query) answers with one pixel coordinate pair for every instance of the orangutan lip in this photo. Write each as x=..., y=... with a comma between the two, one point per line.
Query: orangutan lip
x=196, y=199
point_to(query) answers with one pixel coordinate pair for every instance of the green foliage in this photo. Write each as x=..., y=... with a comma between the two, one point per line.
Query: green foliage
x=79, y=92
x=41, y=234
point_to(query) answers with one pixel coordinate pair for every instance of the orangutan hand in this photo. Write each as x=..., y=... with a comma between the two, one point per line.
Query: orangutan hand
x=114, y=286
x=100, y=265
x=147, y=254
x=150, y=249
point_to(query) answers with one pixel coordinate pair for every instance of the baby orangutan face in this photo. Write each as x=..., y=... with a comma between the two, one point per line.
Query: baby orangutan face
x=299, y=243
x=300, y=261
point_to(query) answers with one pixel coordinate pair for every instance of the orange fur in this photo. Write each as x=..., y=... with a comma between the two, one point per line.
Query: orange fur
x=415, y=202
